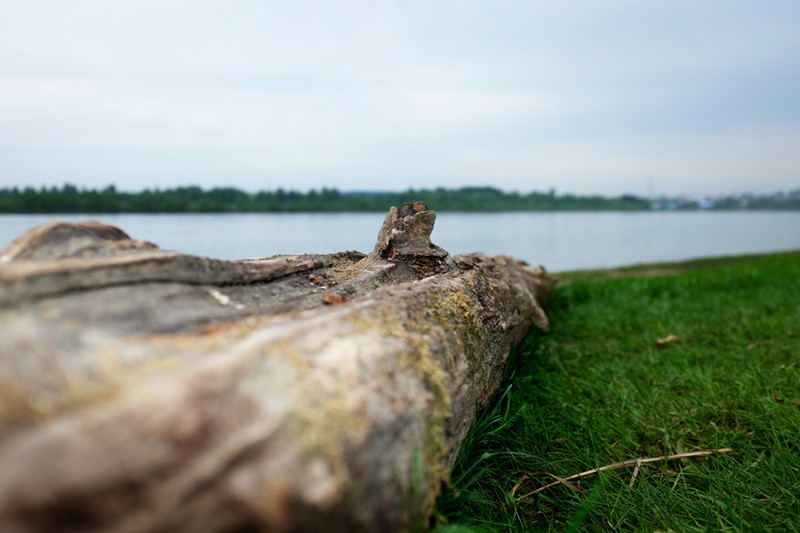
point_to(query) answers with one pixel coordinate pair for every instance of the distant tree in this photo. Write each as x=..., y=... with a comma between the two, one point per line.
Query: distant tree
x=69, y=199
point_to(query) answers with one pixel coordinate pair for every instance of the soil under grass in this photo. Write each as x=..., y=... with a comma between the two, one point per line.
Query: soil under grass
x=599, y=388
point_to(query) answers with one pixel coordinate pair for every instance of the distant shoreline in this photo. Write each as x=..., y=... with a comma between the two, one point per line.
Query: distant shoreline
x=68, y=199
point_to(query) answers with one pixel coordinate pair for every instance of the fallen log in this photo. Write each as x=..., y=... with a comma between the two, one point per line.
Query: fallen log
x=145, y=390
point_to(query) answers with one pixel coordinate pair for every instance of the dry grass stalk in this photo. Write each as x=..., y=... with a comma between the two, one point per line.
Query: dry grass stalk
x=635, y=463
x=635, y=472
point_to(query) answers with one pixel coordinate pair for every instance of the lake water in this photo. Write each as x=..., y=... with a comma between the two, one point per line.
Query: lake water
x=559, y=241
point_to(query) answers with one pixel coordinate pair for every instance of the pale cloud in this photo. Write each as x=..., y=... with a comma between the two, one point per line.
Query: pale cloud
x=582, y=96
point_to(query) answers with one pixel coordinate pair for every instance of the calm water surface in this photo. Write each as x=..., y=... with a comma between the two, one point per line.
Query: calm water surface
x=559, y=241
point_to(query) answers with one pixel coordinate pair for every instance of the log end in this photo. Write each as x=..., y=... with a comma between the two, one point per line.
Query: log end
x=65, y=240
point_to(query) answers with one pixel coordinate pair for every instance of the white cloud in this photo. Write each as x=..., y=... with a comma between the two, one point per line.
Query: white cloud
x=583, y=96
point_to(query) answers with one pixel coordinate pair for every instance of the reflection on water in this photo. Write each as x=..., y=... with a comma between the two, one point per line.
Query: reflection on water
x=559, y=241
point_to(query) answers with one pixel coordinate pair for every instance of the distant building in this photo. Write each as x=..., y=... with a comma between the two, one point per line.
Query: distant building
x=706, y=204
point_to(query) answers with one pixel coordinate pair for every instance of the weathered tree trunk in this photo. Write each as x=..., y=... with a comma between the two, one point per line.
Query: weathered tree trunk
x=143, y=390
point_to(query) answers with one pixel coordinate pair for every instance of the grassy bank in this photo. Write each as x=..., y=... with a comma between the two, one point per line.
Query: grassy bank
x=647, y=362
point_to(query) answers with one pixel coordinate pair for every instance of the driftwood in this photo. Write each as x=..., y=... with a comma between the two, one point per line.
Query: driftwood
x=144, y=390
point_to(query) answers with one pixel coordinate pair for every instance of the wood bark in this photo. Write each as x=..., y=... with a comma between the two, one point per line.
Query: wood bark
x=145, y=390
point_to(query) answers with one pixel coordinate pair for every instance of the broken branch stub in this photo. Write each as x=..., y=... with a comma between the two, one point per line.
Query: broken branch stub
x=406, y=233
x=143, y=390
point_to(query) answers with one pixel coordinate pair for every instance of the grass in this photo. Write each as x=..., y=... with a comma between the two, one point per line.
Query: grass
x=598, y=389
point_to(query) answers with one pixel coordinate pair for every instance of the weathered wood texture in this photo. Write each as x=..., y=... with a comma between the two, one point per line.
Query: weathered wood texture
x=144, y=390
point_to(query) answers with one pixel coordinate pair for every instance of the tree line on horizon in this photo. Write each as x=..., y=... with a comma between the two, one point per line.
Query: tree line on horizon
x=193, y=199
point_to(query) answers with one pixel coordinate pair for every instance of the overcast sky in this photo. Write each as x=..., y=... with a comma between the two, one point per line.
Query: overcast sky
x=610, y=97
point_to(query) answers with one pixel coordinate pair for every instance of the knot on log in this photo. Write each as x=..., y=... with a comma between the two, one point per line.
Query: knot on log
x=406, y=234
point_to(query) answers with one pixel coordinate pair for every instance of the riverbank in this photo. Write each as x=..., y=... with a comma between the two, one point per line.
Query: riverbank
x=642, y=362
x=193, y=199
